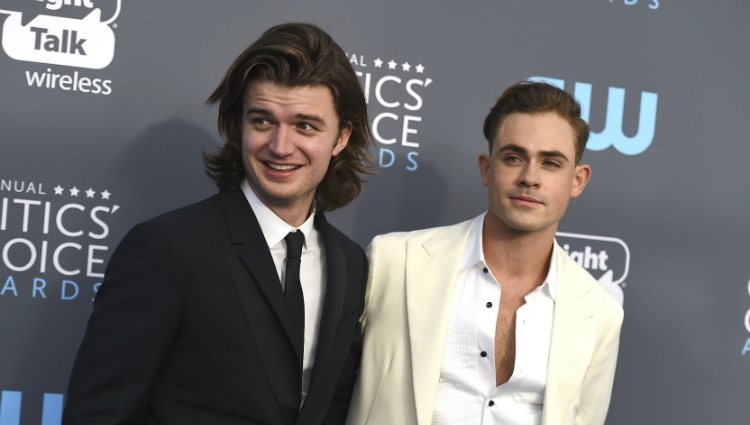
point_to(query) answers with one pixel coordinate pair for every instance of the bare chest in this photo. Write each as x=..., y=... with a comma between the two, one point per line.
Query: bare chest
x=505, y=337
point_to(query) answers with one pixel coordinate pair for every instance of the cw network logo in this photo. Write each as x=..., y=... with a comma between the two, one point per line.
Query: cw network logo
x=10, y=408
x=612, y=134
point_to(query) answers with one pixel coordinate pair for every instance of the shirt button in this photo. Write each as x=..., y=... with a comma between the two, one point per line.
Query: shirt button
x=489, y=304
x=485, y=269
x=483, y=354
x=491, y=403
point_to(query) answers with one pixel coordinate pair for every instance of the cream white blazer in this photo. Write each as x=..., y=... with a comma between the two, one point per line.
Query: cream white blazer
x=408, y=306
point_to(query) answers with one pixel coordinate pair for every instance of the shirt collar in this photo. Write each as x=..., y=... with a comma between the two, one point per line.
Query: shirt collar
x=473, y=253
x=273, y=227
x=474, y=257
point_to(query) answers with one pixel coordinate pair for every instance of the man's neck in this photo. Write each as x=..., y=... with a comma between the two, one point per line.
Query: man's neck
x=517, y=258
x=293, y=215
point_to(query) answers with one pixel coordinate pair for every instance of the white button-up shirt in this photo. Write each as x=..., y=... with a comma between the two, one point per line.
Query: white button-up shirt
x=467, y=393
x=312, y=270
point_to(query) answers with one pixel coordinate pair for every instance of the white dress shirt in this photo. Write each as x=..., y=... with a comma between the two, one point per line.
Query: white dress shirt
x=467, y=393
x=312, y=271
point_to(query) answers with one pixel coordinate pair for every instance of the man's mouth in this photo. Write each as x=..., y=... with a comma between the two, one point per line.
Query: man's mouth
x=281, y=167
x=526, y=198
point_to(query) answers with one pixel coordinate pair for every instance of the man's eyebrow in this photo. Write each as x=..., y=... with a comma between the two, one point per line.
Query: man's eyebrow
x=522, y=151
x=513, y=148
x=554, y=154
x=298, y=117
x=308, y=117
x=255, y=110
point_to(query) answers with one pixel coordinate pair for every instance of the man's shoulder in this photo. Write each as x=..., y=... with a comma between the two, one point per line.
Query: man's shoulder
x=448, y=232
x=201, y=217
x=575, y=275
x=338, y=237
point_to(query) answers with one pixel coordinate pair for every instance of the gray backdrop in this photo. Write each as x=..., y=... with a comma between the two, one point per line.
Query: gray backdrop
x=102, y=125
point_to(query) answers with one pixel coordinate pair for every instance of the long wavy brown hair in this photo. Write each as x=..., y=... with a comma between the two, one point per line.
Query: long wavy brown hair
x=293, y=55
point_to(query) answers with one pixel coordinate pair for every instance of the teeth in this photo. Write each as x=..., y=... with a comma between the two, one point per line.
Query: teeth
x=280, y=167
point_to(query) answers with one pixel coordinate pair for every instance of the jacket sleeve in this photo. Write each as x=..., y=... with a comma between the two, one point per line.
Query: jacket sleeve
x=345, y=386
x=596, y=388
x=134, y=321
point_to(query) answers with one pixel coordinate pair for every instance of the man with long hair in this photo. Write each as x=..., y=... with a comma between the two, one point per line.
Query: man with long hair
x=242, y=308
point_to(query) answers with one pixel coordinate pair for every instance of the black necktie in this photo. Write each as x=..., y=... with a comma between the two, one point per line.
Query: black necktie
x=295, y=300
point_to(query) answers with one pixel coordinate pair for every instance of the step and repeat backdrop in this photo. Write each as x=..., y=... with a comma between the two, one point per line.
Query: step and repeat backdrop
x=103, y=122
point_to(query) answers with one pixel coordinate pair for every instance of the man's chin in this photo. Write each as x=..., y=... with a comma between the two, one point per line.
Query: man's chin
x=525, y=226
x=274, y=198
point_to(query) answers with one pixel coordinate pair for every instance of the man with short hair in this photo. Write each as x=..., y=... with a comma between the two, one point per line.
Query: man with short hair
x=489, y=321
x=242, y=308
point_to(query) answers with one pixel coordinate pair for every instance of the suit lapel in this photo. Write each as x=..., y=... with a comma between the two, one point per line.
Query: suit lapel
x=432, y=266
x=573, y=335
x=253, y=251
x=333, y=298
x=254, y=276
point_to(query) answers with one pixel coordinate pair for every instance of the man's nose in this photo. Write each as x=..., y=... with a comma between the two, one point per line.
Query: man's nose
x=529, y=176
x=281, y=141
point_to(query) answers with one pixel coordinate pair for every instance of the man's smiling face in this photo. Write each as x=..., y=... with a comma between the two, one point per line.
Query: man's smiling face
x=289, y=135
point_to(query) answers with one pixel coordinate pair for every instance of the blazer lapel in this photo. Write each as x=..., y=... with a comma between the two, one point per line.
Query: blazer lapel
x=432, y=267
x=573, y=335
x=253, y=251
x=333, y=298
x=254, y=276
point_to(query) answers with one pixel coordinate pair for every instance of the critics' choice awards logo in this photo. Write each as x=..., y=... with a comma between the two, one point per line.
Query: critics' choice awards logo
x=54, y=241
x=746, y=346
x=606, y=258
x=72, y=33
x=394, y=91
x=612, y=134
x=10, y=408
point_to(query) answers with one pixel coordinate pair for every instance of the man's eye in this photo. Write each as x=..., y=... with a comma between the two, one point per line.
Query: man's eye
x=305, y=126
x=552, y=164
x=511, y=159
x=260, y=122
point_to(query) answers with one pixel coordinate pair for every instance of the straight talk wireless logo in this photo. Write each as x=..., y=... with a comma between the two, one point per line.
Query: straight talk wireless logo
x=70, y=33
x=606, y=258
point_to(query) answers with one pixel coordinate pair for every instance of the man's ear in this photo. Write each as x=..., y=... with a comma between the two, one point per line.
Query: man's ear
x=484, y=168
x=342, y=140
x=580, y=179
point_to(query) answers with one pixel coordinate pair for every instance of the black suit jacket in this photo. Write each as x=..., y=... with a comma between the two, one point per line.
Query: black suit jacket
x=190, y=327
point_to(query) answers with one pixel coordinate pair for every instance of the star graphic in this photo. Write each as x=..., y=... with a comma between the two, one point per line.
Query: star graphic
x=90, y=193
x=378, y=63
x=74, y=191
x=420, y=69
x=405, y=66
x=392, y=64
x=58, y=190
x=105, y=194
